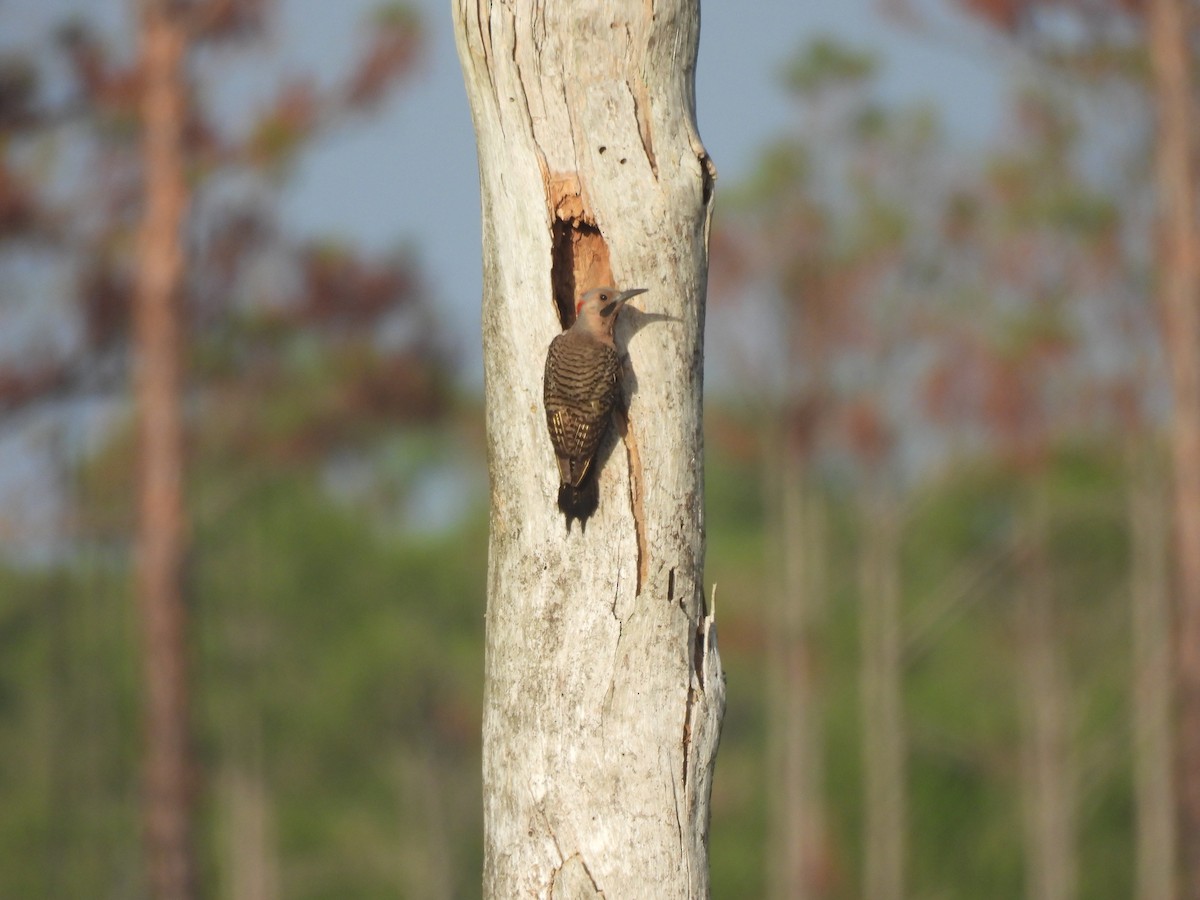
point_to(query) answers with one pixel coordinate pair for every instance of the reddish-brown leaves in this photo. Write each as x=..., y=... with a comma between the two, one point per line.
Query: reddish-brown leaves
x=394, y=47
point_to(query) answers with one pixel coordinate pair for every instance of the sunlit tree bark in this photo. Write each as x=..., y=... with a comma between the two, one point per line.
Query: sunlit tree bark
x=1179, y=299
x=603, y=691
x=168, y=771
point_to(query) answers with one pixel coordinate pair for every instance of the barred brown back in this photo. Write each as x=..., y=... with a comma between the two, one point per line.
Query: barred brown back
x=580, y=388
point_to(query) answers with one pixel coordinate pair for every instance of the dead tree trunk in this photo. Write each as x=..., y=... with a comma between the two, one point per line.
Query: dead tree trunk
x=1047, y=762
x=799, y=865
x=160, y=546
x=1154, y=794
x=251, y=861
x=1179, y=298
x=604, y=691
x=883, y=732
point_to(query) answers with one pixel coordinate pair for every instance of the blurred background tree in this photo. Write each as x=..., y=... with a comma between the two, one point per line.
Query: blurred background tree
x=300, y=360
x=938, y=475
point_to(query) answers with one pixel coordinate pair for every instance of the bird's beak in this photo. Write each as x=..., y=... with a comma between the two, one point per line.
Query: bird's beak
x=630, y=294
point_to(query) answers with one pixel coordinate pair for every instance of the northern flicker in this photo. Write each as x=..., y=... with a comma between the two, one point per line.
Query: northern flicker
x=580, y=389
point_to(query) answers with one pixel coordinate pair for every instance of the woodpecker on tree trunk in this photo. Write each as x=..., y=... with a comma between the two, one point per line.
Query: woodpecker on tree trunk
x=580, y=389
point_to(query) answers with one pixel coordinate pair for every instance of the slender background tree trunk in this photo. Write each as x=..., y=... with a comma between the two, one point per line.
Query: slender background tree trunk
x=799, y=865
x=604, y=691
x=1048, y=768
x=251, y=861
x=1151, y=630
x=1179, y=296
x=160, y=550
x=882, y=684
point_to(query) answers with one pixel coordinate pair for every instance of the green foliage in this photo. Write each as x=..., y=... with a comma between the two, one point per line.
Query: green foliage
x=397, y=15
x=961, y=694
x=1076, y=211
x=352, y=656
x=1037, y=331
x=782, y=167
x=827, y=63
x=68, y=735
x=341, y=668
x=1039, y=186
x=881, y=225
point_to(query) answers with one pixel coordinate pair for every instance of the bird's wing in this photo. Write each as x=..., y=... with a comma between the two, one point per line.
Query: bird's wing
x=578, y=424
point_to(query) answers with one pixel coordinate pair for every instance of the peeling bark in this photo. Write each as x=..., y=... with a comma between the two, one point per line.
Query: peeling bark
x=604, y=691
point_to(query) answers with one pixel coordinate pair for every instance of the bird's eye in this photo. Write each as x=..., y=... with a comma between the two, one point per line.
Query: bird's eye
x=603, y=298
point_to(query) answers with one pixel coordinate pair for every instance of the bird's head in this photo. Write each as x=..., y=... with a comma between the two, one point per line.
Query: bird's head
x=596, y=311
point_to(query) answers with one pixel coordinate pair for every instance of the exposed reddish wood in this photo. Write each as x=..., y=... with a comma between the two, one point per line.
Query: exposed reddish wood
x=168, y=799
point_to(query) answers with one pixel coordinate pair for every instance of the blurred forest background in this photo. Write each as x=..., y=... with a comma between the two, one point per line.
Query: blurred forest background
x=938, y=481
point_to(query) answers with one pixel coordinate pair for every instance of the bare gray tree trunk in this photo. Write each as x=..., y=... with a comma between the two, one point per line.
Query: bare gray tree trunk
x=799, y=866
x=604, y=691
x=1047, y=761
x=883, y=733
x=428, y=864
x=1154, y=794
x=252, y=862
x=1179, y=301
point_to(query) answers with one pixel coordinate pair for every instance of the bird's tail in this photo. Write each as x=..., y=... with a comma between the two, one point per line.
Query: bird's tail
x=579, y=502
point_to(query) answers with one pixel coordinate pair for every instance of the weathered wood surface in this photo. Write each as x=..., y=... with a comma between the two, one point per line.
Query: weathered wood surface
x=604, y=689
